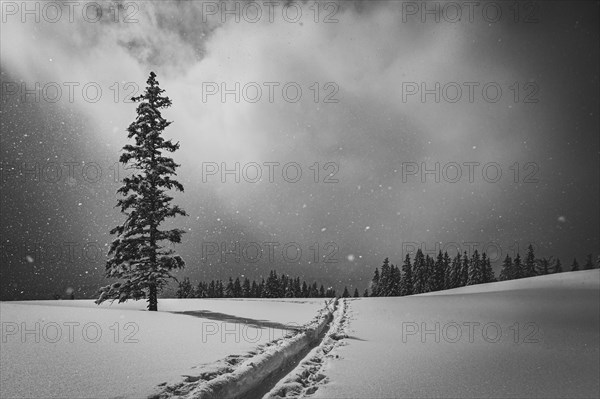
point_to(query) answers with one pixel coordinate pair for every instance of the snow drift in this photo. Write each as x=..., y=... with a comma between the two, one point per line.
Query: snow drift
x=535, y=337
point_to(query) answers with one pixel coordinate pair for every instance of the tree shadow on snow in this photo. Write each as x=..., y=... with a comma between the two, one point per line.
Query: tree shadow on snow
x=207, y=314
x=355, y=338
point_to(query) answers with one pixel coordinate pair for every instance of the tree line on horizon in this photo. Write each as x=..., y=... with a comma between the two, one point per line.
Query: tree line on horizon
x=276, y=286
x=427, y=274
x=419, y=275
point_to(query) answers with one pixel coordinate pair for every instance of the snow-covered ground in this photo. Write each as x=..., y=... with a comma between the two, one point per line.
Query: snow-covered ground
x=75, y=349
x=536, y=337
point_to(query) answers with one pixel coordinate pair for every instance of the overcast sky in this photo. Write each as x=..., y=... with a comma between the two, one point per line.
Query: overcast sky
x=527, y=109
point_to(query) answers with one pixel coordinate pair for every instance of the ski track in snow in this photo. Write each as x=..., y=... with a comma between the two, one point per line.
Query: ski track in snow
x=309, y=375
x=209, y=372
x=238, y=374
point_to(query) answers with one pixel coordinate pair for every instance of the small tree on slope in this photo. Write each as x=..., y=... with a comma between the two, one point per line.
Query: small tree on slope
x=575, y=265
x=487, y=271
x=588, y=263
x=447, y=271
x=406, y=283
x=455, y=271
x=385, y=278
x=345, y=294
x=375, y=283
x=185, y=289
x=544, y=266
x=529, y=266
x=517, y=268
x=138, y=259
x=558, y=266
x=464, y=277
x=507, y=272
x=419, y=275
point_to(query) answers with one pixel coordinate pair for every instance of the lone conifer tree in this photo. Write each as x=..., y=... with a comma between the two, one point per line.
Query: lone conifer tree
x=137, y=257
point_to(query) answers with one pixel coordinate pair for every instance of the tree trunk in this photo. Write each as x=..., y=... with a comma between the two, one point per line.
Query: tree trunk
x=152, y=299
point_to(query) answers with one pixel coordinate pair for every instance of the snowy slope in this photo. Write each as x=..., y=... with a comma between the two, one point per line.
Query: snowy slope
x=129, y=360
x=536, y=337
x=569, y=280
x=389, y=353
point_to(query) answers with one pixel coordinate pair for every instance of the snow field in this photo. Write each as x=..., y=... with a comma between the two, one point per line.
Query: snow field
x=530, y=338
x=534, y=337
x=76, y=349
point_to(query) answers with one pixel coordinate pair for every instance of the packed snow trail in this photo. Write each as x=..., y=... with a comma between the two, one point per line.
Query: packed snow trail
x=249, y=376
x=306, y=378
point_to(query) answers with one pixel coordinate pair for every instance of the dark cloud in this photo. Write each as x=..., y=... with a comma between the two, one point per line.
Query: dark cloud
x=369, y=135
